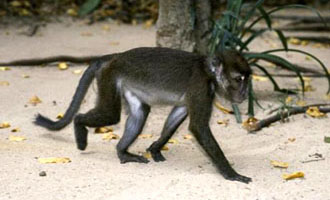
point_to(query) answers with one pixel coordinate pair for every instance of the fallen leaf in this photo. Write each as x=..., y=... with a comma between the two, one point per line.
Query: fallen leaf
x=327, y=97
x=16, y=3
x=279, y=164
x=35, y=100
x=294, y=41
x=106, y=27
x=134, y=22
x=77, y=71
x=14, y=130
x=317, y=45
x=304, y=42
x=165, y=148
x=223, y=109
x=59, y=116
x=224, y=122
x=259, y=78
x=148, y=23
x=5, y=125
x=291, y=139
x=53, y=160
x=114, y=43
x=293, y=175
x=188, y=136
x=308, y=58
x=16, y=138
x=326, y=139
x=315, y=112
x=300, y=103
x=62, y=66
x=5, y=68
x=250, y=123
x=147, y=155
x=103, y=130
x=4, y=83
x=86, y=34
x=288, y=100
x=145, y=136
x=173, y=141
x=24, y=12
x=72, y=12
x=25, y=76
x=110, y=136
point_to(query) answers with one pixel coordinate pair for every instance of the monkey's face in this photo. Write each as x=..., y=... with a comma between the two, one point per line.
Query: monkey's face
x=232, y=75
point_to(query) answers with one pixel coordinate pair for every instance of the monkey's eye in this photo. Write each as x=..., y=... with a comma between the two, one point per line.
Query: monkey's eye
x=239, y=78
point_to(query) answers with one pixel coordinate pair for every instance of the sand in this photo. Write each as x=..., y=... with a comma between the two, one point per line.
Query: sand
x=187, y=173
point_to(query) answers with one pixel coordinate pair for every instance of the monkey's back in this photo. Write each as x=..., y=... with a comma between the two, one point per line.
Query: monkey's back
x=165, y=73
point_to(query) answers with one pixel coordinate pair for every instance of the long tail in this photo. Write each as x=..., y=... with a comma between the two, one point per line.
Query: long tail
x=41, y=61
x=78, y=97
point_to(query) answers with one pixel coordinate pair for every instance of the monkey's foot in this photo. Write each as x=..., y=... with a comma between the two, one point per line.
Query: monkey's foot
x=82, y=146
x=129, y=157
x=238, y=177
x=156, y=155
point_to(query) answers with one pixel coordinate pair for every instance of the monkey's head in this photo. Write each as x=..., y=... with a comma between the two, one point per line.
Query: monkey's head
x=231, y=73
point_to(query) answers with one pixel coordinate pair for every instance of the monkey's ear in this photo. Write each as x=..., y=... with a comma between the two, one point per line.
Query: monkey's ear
x=214, y=66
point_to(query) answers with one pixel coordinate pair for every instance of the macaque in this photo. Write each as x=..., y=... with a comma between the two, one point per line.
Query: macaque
x=147, y=76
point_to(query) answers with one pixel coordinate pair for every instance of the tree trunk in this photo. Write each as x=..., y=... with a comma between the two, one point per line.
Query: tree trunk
x=182, y=24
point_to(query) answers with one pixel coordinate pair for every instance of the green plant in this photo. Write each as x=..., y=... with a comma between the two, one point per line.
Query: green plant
x=229, y=32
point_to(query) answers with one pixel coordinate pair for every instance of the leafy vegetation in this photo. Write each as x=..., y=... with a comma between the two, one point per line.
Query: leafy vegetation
x=229, y=32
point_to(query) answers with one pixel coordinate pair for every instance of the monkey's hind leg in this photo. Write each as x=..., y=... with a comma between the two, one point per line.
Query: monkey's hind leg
x=138, y=113
x=173, y=121
x=106, y=113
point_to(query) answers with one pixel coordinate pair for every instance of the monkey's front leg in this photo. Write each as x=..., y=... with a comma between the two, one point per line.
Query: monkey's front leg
x=199, y=125
x=173, y=121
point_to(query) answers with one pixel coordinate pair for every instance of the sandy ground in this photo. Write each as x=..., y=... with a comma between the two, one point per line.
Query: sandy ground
x=186, y=174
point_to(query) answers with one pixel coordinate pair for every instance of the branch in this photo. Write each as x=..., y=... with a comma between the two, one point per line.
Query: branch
x=282, y=115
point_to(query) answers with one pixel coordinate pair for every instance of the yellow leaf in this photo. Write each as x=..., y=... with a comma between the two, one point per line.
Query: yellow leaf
x=165, y=148
x=188, y=137
x=308, y=58
x=103, y=130
x=77, y=71
x=301, y=103
x=279, y=164
x=134, y=22
x=72, y=12
x=293, y=175
x=53, y=160
x=173, y=141
x=110, y=136
x=14, y=130
x=114, y=43
x=145, y=136
x=315, y=112
x=259, y=78
x=223, y=109
x=317, y=45
x=16, y=138
x=288, y=100
x=224, y=122
x=147, y=155
x=15, y=3
x=106, y=27
x=304, y=42
x=87, y=34
x=291, y=139
x=5, y=125
x=25, y=76
x=4, y=68
x=34, y=100
x=4, y=83
x=148, y=23
x=62, y=66
x=250, y=124
x=294, y=41
x=59, y=116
